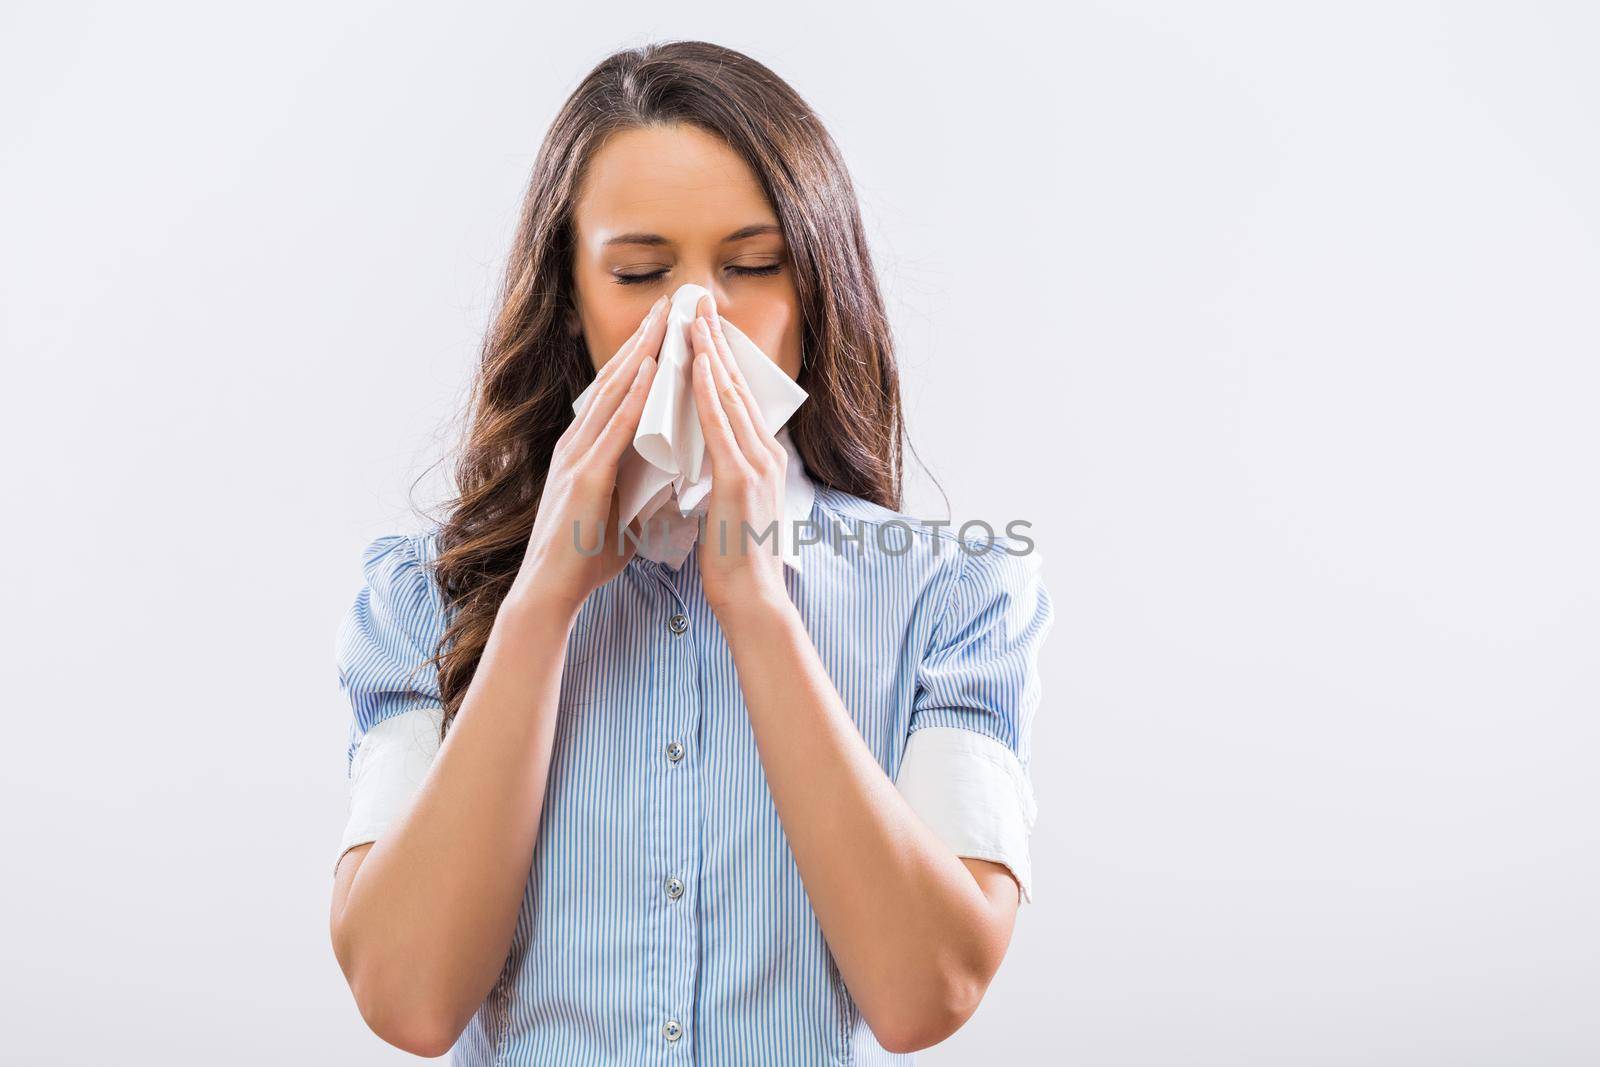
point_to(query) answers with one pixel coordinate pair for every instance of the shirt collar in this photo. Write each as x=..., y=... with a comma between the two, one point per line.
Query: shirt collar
x=672, y=535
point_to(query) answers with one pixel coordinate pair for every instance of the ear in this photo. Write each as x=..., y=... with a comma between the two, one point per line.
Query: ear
x=574, y=324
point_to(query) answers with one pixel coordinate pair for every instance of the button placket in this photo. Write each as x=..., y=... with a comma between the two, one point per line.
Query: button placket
x=676, y=814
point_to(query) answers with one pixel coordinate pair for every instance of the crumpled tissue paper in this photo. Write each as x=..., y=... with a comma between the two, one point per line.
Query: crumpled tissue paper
x=666, y=466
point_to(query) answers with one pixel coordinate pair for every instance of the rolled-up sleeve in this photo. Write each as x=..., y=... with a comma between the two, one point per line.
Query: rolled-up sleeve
x=964, y=769
x=383, y=650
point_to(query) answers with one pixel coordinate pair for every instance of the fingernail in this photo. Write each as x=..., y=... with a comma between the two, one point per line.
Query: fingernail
x=661, y=302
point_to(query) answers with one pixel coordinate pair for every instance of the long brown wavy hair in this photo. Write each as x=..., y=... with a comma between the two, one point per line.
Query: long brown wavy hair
x=849, y=432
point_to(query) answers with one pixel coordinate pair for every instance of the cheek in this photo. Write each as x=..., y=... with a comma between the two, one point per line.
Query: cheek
x=607, y=329
x=775, y=330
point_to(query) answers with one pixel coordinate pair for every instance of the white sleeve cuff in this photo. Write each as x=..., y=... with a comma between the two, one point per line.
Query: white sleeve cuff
x=386, y=772
x=973, y=794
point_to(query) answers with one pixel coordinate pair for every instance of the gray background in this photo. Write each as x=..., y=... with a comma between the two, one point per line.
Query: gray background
x=1279, y=321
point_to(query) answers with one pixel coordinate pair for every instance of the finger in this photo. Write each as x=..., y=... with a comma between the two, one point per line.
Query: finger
x=618, y=433
x=611, y=365
x=733, y=403
x=720, y=339
x=726, y=352
x=706, y=310
x=640, y=341
x=617, y=362
x=609, y=393
x=720, y=443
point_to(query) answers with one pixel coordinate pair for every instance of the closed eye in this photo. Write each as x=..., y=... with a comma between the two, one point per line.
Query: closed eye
x=653, y=276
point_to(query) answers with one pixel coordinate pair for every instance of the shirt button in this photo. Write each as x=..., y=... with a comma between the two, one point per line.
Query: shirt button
x=674, y=888
x=674, y=751
x=671, y=1030
x=678, y=623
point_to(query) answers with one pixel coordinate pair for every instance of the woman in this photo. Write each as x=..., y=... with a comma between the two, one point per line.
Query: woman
x=733, y=808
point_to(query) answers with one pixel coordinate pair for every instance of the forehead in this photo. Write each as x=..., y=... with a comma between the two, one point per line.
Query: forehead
x=678, y=181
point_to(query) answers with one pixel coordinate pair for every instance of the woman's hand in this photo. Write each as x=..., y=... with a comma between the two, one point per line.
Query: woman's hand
x=747, y=479
x=579, y=504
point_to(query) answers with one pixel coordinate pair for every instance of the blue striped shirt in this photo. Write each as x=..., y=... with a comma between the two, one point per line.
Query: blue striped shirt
x=665, y=920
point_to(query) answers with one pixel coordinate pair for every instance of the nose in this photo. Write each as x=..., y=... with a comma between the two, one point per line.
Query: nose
x=718, y=299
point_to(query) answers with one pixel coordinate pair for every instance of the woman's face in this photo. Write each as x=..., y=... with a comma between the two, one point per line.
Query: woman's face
x=666, y=205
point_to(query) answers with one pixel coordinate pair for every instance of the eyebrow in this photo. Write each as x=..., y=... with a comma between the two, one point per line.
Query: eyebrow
x=655, y=239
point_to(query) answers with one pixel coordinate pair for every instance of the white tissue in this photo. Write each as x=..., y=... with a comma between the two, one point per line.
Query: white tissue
x=667, y=460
